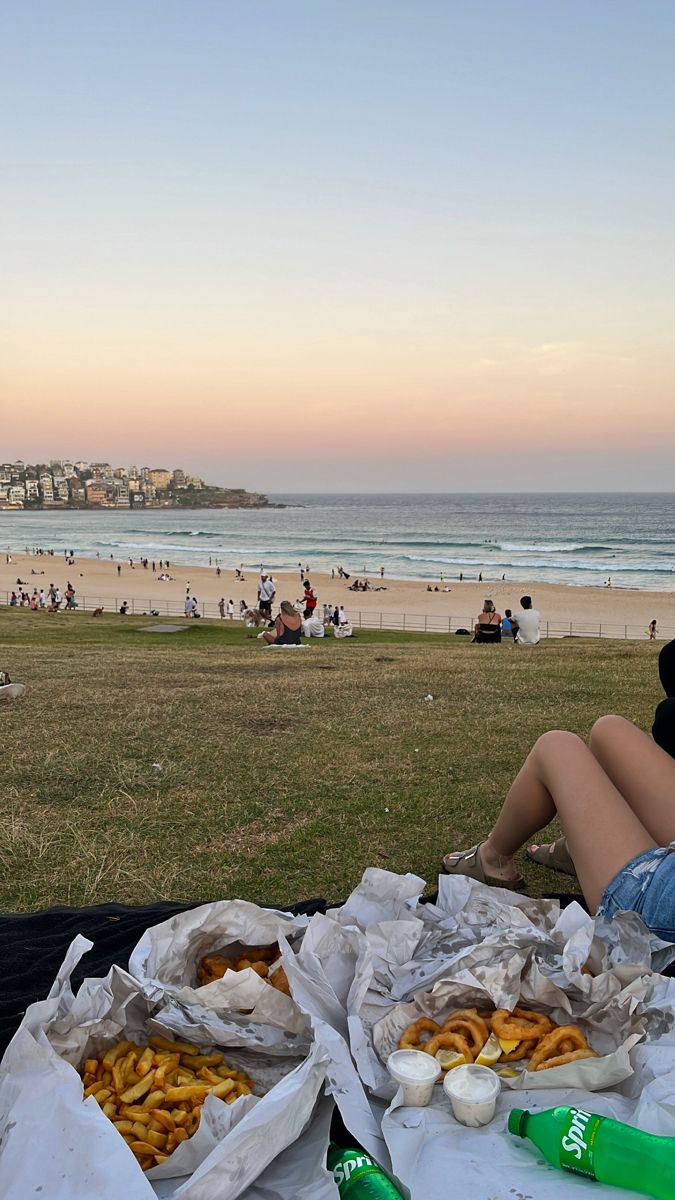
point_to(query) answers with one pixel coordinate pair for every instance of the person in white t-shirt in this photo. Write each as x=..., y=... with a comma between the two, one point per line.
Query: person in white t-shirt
x=313, y=627
x=525, y=623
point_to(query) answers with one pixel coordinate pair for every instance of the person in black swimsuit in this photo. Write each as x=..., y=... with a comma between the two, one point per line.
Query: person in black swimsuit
x=287, y=627
x=488, y=627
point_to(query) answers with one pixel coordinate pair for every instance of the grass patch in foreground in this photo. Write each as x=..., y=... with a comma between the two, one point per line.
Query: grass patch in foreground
x=199, y=765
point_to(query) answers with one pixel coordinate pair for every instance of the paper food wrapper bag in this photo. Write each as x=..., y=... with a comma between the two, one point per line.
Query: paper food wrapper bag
x=167, y=957
x=81, y=1154
x=501, y=949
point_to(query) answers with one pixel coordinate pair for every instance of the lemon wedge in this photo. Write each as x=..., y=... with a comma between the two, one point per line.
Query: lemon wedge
x=490, y=1053
x=508, y=1044
x=449, y=1059
x=507, y=1072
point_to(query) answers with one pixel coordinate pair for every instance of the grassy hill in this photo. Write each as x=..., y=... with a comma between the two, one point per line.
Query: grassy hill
x=200, y=765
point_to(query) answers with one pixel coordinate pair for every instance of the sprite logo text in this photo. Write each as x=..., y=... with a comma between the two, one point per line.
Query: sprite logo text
x=344, y=1169
x=577, y=1143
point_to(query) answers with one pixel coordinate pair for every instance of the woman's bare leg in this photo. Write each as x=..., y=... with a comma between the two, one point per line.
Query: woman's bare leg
x=641, y=771
x=561, y=776
x=270, y=638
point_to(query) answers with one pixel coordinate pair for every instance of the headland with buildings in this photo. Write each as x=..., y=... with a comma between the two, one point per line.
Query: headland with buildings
x=64, y=484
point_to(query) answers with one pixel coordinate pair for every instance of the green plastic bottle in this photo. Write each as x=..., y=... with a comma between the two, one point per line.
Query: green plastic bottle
x=600, y=1148
x=358, y=1176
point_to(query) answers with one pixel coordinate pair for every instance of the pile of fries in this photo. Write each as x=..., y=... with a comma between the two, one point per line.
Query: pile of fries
x=264, y=960
x=490, y=1037
x=153, y=1094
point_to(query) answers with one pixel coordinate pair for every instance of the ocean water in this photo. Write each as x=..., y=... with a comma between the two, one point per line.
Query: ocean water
x=559, y=538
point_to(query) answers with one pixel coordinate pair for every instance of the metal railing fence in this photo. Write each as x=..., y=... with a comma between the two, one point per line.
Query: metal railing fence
x=371, y=619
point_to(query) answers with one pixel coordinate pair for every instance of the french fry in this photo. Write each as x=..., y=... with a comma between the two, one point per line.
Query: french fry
x=143, y=1148
x=194, y=1091
x=223, y=1089
x=153, y=1094
x=162, y=1043
x=158, y=1140
x=135, y=1113
x=138, y=1089
x=116, y=1052
x=145, y=1062
x=201, y=1060
x=164, y=1119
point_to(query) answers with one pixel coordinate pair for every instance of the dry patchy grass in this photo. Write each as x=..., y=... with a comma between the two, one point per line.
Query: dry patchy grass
x=200, y=765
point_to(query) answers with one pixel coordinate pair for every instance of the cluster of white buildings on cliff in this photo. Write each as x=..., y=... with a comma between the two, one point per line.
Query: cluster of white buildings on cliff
x=59, y=483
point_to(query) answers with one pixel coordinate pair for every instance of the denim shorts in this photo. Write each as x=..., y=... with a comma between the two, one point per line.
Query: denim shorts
x=646, y=885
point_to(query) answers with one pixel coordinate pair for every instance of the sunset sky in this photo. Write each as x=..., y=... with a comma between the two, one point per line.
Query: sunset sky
x=301, y=245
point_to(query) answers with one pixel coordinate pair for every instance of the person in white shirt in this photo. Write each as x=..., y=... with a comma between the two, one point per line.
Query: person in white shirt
x=526, y=623
x=230, y=609
x=313, y=627
x=266, y=594
x=343, y=619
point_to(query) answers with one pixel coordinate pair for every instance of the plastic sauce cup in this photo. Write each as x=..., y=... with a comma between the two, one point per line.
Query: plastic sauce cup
x=416, y=1072
x=472, y=1092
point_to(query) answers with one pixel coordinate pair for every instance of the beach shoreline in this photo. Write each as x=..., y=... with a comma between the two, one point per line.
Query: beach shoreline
x=98, y=580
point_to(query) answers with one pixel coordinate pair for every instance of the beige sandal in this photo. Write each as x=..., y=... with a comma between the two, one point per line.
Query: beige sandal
x=554, y=855
x=468, y=862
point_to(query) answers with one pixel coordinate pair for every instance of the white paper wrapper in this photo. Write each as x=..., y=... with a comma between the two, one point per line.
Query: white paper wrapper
x=476, y=945
x=166, y=959
x=81, y=1155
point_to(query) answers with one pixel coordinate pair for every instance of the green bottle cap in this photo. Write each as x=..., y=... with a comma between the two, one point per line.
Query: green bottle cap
x=517, y=1121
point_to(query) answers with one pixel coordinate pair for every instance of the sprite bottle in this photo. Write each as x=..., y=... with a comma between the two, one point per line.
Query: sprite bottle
x=358, y=1176
x=600, y=1148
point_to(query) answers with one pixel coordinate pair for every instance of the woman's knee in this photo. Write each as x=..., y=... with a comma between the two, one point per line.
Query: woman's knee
x=606, y=731
x=556, y=742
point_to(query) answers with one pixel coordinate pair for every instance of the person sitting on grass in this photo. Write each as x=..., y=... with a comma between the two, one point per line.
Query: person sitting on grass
x=287, y=627
x=614, y=800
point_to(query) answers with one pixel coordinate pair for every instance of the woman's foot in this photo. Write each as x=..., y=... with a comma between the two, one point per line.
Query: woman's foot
x=554, y=855
x=482, y=864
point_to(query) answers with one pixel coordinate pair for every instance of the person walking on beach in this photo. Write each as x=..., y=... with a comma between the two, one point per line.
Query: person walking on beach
x=119, y=570
x=266, y=594
x=651, y=629
x=310, y=599
x=230, y=609
x=221, y=606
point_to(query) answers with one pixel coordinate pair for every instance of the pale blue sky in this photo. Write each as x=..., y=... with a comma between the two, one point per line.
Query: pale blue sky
x=385, y=208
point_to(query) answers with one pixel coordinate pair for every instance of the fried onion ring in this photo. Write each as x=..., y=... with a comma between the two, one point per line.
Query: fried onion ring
x=549, y=1046
x=520, y=1024
x=411, y=1039
x=474, y=1027
x=560, y=1060
x=449, y=1041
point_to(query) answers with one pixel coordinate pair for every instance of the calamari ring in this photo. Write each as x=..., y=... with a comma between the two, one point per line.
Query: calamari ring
x=449, y=1041
x=411, y=1039
x=476, y=1029
x=520, y=1024
x=549, y=1046
x=560, y=1060
x=522, y=1050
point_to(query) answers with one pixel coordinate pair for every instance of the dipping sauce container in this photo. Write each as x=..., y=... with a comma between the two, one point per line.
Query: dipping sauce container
x=472, y=1092
x=416, y=1072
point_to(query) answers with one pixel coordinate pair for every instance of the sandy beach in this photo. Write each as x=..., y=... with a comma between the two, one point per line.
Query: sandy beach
x=98, y=580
